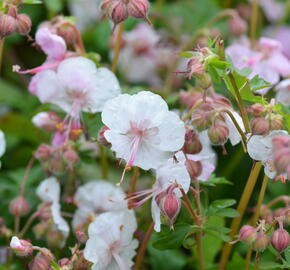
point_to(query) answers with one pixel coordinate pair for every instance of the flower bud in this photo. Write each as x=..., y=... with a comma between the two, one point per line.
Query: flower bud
x=21, y=248
x=23, y=24
x=138, y=8
x=40, y=229
x=43, y=152
x=204, y=81
x=280, y=239
x=248, y=234
x=117, y=11
x=256, y=109
x=201, y=118
x=40, y=262
x=260, y=126
x=237, y=25
x=194, y=168
x=19, y=207
x=81, y=237
x=279, y=212
x=261, y=242
x=276, y=122
x=68, y=33
x=218, y=133
x=101, y=136
x=170, y=206
x=281, y=159
x=46, y=120
x=7, y=25
x=71, y=157
x=54, y=238
x=192, y=144
x=280, y=142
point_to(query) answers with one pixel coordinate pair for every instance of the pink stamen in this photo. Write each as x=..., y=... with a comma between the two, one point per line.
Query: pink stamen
x=138, y=204
x=139, y=194
x=36, y=70
x=134, y=150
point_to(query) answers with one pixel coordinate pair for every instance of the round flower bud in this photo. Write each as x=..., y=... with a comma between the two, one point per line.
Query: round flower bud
x=261, y=242
x=260, y=126
x=192, y=144
x=248, y=234
x=71, y=157
x=54, y=238
x=43, y=152
x=7, y=25
x=40, y=262
x=68, y=33
x=101, y=136
x=204, y=81
x=23, y=24
x=201, y=118
x=20, y=247
x=256, y=109
x=117, y=11
x=138, y=8
x=194, y=168
x=237, y=25
x=19, y=207
x=280, y=239
x=170, y=207
x=218, y=134
x=276, y=122
x=281, y=159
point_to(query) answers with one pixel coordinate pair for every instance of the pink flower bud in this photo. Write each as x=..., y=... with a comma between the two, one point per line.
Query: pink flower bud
x=281, y=159
x=81, y=237
x=40, y=262
x=194, y=168
x=261, y=242
x=218, y=133
x=20, y=247
x=71, y=157
x=43, y=152
x=19, y=207
x=248, y=234
x=101, y=136
x=201, y=118
x=280, y=239
x=170, y=206
x=194, y=67
x=138, y=8
x=46, y=120
x=64, y=262
x=237, y=25
x=192, y=144
x=68, y=33
x=260, y=126
x=7, y=25
x=256, y=109
x=23, y=24
x=117, y=11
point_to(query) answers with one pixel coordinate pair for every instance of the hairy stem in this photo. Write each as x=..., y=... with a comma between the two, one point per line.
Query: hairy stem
x=117, y=47
x=142, y=249
x=226, y=251
x=1, y=53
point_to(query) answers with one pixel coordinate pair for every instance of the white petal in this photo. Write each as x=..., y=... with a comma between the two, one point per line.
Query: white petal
x=155, y=211
x=2, y=143
x=234, y=135
x=15, y=242
x=49, y=190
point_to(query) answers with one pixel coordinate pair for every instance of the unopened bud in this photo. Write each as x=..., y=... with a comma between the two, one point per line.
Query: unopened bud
x=54, y=238
x=21, y=248
x=218, y=133
x=43, y=152
x=71, y=157
x=204, y=81
x=40, y=262
x=248, y=234
x=64, y=262
x=279, y=212
x=237, y=25
x=276, y=122
x=23, y=24
x=19, y=207
x=194, y=168
x=256, y=109
x=46, y=120
x=138, y=8
x=101, y=136
x=117, y=11
x=40, y=230
x=201, y=118
x=192, y=144
x=7, y=25
x=261, y=242
x=170, y=206
x=260, y=126
x=280, y=239
x=68, y=33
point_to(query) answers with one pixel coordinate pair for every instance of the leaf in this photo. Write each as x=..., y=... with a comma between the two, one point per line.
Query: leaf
x=258, y=83
x=227, y=212
x=220, y=204
x=237, y=262
x=185, y=54
x=32, y=2
x=54, y=5
x=172, y=239
x=55, y=266
x=213, y=181
x=270, y=265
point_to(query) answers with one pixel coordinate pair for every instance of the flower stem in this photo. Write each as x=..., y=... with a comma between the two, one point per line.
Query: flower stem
x=241, y=106
x=117, y=47
x=1, y=53
x=142, y=249
x=257, y=260
x=133, y=180
x=104, y=162
x=189, y=206
x=25, y=176
x=28, y=224
x=200, y=251
x=256, y=216
x=226, y=251
x=254, y=21
x=188, y=115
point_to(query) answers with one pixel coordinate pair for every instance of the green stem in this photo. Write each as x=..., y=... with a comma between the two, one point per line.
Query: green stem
x=117, y=47
x=1, y=53
x=241, y=106
x=28, y=224
x=256, y=217
x=226, y=251
x=254, y=21
x=104, y=162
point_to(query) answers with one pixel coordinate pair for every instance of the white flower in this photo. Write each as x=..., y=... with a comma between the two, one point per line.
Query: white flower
x=49, y=191
x=15, y=243
x=143, y=131
x=97, y=197
x=260, y=148
x=2, y=144
x=234, y=135
x=283, y=92
x=77, y=85
x=111, y=245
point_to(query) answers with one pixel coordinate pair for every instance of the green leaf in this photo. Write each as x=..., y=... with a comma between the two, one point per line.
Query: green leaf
x=213, y=181
x=270, y=265
x=237, y=262
x=54, y=5
x=227, y=212
x=55, y=266
x=185, y=54
x=172, y=239
x=258, y=83
x=220, y=204
x=32, y=2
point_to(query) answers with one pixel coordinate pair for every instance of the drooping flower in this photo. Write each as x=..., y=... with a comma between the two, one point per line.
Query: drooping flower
x=2, y=144
x=142, y=130
x=283, y=92
x=95, y=198
x=261, y=148
x=21, y=247
x=266, y=60
x=111, y=244
x=49, y=192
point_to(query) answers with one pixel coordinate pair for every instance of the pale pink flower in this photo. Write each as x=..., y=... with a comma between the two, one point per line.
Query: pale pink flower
x=261, y=148
x=111, y=244
x=267, y=60
x=273, y=9
x=283, y=92
x=142, y=130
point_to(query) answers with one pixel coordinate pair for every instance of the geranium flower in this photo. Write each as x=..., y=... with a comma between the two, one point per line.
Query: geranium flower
x=283, y=92
x=49, y=192
x=111, y=244
x=266, y=60
x=261, y=148
x=109, y=198
x=142, y=130
x=2, y=144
